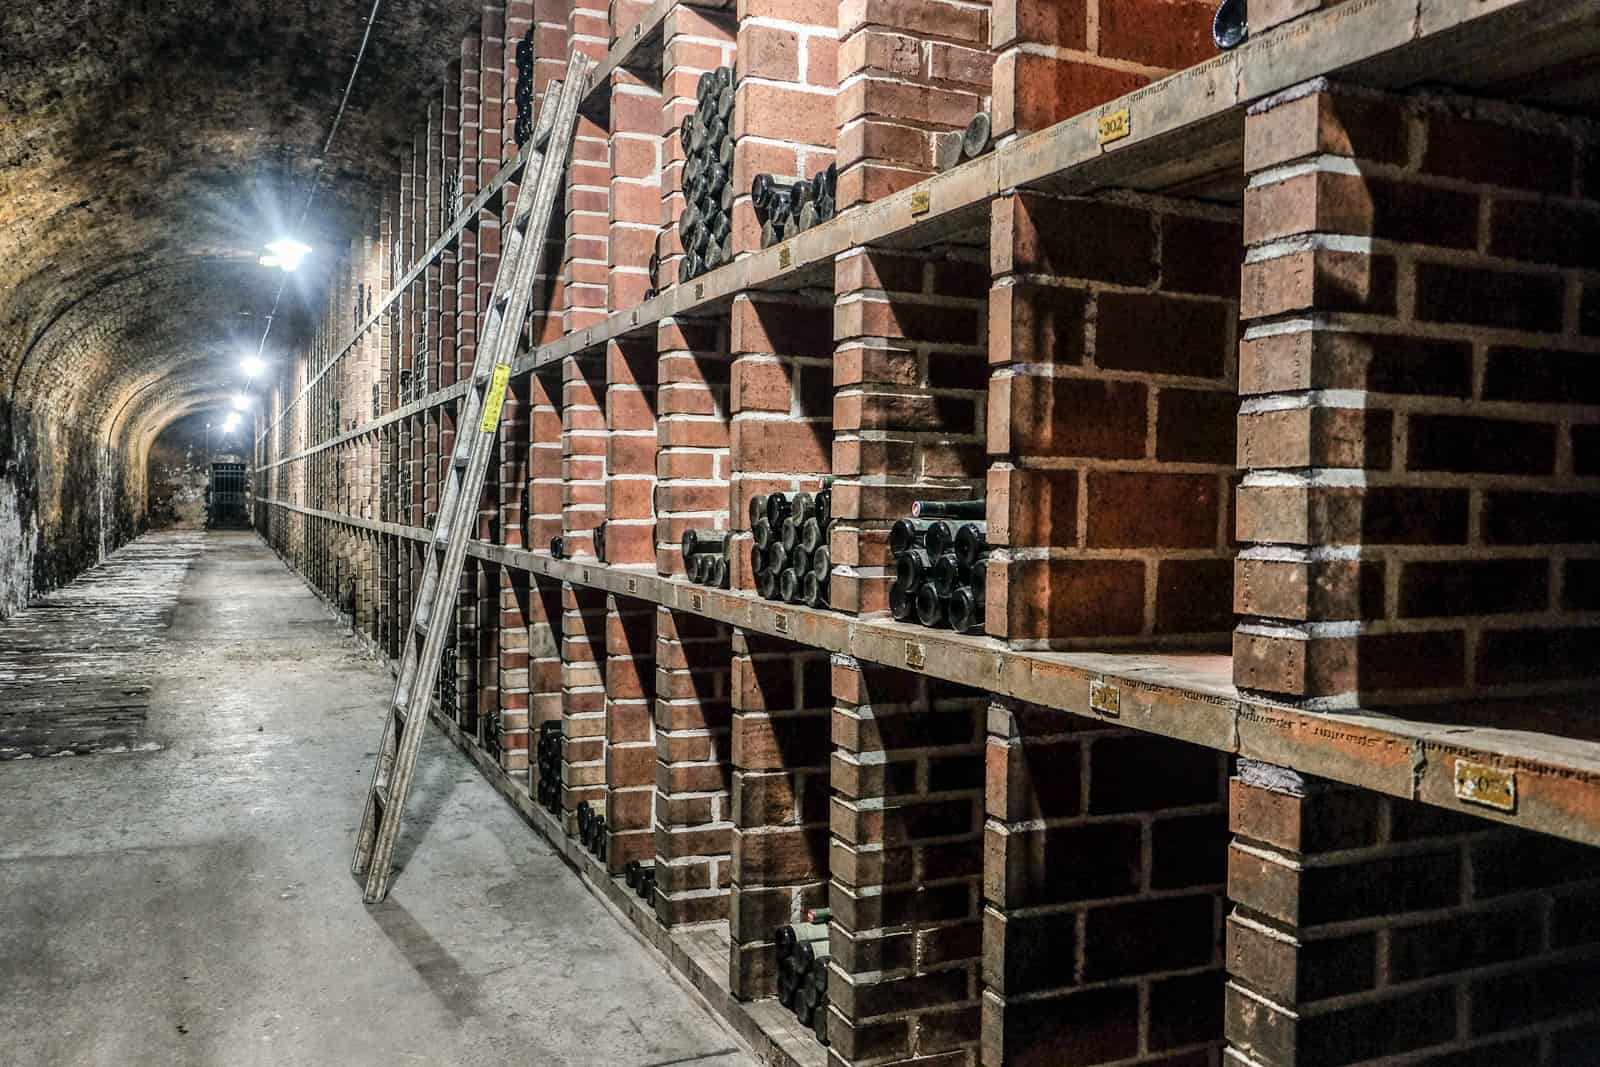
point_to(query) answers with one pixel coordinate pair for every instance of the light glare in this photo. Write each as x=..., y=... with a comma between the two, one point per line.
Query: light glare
x=252, y=366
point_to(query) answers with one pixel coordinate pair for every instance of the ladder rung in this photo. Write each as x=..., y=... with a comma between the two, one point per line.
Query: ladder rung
x=380, y=794
x=421, y=625
x=401, y=714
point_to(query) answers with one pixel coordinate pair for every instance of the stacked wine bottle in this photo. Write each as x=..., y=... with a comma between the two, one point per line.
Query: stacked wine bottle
x=547, y=754
x=640, y=879
x=706, y=556
x=592, y=829
x=790, y=553
x=524, y=125
x=448, y=677
x=803, y=970
x=654, y=266
x=705, y=226
x=954, y=148
x=940, y=556
x=785, y=206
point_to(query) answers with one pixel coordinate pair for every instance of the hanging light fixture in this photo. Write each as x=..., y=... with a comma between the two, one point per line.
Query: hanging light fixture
x=252, y=365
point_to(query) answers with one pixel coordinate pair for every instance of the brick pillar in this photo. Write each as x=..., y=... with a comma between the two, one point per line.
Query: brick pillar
x=1366, y=926
x=467, y=246
x=907, y=867
x=516, y=610
x=1109, y=419
x=1103, y=872
x=631, y=368
x=466, y=351
x=545, y=675
x=907, y=73
x=512, y=445
x=544, y=459
x=447, y=300
x=515, y=593
x=549, y=64
x=1054, y=60
x=782, y=713
x=630, y=734
x=1418, y=509
x=635, y=197
x=781, y=398
x=693, y=772
x=488, y=648
x=691, y=433
x=583, y=699
x=582, y=291
x=788, y=73
x=909, y=395
x=694, y=41
x=491, y=138
x=583, y=451
x=467, y=655
x=518, y=24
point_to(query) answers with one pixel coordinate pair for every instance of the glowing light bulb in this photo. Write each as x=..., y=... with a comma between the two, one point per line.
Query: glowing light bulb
x=286, y=254
x=241, y=402
x=252, y=366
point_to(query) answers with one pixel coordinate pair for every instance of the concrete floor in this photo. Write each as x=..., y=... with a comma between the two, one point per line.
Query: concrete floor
x=194, y=905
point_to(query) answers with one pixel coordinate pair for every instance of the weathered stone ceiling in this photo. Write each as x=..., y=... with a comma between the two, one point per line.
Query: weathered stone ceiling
x=149, y=148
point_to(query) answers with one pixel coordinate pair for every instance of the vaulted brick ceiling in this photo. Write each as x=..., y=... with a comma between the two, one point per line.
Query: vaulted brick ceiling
x=149, y=148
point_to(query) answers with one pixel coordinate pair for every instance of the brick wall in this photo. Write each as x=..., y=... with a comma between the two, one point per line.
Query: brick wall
x=907, y=866
x=1420, y=413
x=1365, y=926
x=1112, y=341
x=1103, y=889
x=908, y=404
x=908, y=70
x=782, y=709
x=781, y=399
x=1054, y=60
x=693, y=819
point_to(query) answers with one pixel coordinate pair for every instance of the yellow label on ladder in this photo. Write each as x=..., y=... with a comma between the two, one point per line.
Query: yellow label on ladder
x=496, y=398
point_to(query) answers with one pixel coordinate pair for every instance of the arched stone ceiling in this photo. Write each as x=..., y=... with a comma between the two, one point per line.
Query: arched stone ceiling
x=150, y=148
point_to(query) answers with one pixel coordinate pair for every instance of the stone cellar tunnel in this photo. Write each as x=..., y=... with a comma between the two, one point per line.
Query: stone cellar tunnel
x=876, y=533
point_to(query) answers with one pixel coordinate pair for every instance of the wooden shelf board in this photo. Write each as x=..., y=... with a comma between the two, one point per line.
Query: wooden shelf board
x=1547, y=743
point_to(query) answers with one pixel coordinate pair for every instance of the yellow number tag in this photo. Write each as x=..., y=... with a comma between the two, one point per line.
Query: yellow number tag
x=496, y=398
x=1114, y=126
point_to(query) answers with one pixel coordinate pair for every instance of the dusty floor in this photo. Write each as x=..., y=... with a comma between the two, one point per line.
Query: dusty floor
x=194, y=905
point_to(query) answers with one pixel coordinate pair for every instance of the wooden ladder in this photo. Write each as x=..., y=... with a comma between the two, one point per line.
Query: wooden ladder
x=522, y=254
